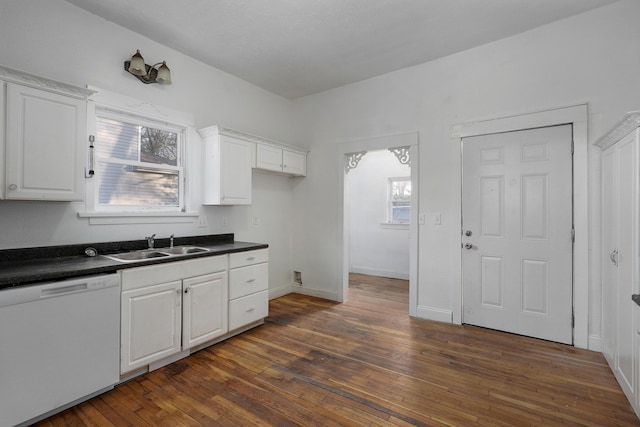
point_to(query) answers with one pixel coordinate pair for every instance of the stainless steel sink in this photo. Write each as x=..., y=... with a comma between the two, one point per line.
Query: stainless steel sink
x=137, y=255
x=183, y=250
x=145, y=254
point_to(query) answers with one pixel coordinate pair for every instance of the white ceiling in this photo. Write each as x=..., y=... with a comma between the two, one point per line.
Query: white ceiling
x=300, y=47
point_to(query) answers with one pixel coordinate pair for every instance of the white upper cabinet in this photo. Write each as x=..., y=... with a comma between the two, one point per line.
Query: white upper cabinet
x=283, y=160
x=45, y=130
x=226, y=168
x=229, y=156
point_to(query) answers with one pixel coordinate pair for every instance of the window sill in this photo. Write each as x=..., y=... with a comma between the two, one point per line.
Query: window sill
x=109, y=218
x=395, y=225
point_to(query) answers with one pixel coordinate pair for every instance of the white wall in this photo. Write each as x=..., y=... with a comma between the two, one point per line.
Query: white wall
x=376, y=248
x=591, y=58
x=57, y=40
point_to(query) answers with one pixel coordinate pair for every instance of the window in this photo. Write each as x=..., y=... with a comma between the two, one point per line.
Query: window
x=399, y=191
x=138, y=164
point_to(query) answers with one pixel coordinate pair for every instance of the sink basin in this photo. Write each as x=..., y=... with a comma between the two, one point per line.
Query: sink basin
x=137, y=255
x=183, y=250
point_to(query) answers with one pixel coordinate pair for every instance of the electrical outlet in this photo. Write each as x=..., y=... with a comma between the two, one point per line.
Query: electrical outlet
x=202, y=221
x=224, y=221
x=256, y=220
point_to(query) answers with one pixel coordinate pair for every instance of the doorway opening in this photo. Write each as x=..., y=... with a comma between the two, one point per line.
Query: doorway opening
x=379, y=261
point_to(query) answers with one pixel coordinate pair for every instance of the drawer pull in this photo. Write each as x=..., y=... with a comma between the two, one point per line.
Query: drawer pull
x=251, y=280
x=250, y=309
x=251, y=258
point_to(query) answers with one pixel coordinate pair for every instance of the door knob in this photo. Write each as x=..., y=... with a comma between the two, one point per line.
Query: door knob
x=468, y=233
x=468, y=246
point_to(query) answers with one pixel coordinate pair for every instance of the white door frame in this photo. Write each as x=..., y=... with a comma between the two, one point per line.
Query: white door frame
x=577, y=116
x=371, y=144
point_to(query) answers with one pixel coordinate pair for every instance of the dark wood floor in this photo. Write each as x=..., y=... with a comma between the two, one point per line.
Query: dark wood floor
x=366, y=363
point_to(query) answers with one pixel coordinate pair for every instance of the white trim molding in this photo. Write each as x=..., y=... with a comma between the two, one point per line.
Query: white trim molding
x=629, y=122
x=577, y=116
x=434, y=313
x=27, y=79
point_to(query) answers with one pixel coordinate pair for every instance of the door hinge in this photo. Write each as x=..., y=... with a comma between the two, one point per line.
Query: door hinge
x=572, y=146
x=573, y=320
x=573, y=234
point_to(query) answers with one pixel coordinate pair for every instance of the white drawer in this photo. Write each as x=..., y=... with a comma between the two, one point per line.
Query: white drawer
x=248, y=280
x=139, y=277
x=242, y=259
x=245, y=310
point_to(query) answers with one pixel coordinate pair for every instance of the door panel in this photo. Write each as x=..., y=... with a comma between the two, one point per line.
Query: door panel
x=517, y=218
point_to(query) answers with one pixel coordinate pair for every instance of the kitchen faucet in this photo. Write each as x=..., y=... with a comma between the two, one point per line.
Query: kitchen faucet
x=150, y=240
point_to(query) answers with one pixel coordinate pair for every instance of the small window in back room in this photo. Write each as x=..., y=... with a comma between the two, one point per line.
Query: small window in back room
x=399, y=201
x=139, y=164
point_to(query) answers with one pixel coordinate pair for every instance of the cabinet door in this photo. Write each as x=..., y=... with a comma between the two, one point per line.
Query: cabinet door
x=235, y=169
x=294, y=163
x=609, y=245
x=150, y=324
x=268, y=158
x=204, y=315
x=44, y=145
x=626, y=259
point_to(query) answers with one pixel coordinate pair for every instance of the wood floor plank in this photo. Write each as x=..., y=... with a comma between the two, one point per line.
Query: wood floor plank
x=366, y=363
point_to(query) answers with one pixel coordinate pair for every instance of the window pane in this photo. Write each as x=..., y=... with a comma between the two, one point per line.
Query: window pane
x=401, y=190
x=400, y=200
x=132, y=185
x=117, y=140
x=128, y=141
x=158, y=146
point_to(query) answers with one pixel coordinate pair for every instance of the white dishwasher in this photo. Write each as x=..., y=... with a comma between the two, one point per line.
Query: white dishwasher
x=59, y=344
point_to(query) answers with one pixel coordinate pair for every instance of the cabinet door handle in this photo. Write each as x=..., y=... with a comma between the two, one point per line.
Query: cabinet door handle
x=186, y=290
x=251, y=280
x=13, y=187
x=250, y=309
x=613, y=256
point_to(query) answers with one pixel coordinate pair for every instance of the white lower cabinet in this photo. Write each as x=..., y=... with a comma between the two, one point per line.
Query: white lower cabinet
x=248, y=287
x=171, y=307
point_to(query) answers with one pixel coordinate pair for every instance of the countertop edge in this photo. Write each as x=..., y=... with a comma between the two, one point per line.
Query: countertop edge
x=37, y=271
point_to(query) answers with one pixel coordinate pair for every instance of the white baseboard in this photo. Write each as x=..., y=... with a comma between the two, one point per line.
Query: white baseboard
x=280, y=292
x=595, y=343
x=301, y=289
x=379, y=273
x=433, y=313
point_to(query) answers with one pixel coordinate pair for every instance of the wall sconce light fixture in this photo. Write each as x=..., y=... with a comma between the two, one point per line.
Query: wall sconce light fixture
x=148, y=73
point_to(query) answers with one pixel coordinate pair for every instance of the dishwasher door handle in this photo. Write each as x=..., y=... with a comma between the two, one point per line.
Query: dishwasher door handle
x=67, y=289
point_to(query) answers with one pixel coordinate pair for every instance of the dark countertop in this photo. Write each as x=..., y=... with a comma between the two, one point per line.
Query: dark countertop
x=31, y=265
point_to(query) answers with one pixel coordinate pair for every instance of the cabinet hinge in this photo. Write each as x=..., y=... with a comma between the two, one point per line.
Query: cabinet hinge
x=572, y=146
x=573, y=234
x=573, y=319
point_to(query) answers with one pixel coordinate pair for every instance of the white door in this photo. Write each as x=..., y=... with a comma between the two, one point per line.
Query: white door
x=517, y=232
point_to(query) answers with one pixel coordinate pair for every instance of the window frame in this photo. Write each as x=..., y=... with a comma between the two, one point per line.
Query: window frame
x=389, y=201
x=123, y=115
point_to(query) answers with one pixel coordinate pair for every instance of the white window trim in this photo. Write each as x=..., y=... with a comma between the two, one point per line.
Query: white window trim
x=112, y=104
